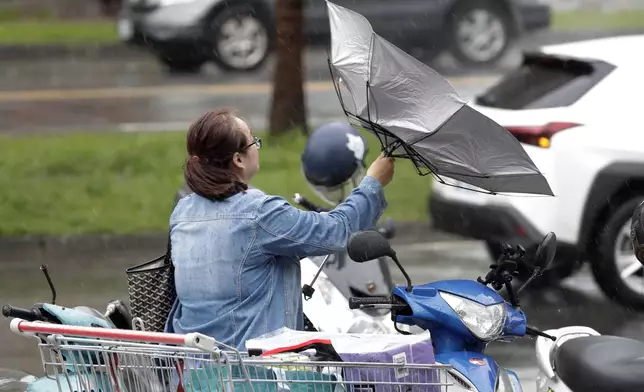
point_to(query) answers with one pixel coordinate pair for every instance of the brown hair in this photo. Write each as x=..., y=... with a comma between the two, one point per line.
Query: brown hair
x=212, y=142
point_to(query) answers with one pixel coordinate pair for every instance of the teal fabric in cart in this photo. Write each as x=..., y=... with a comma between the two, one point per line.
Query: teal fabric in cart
x=264, y=379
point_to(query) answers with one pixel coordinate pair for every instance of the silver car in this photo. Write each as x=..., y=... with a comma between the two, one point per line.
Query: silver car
x=238, y=35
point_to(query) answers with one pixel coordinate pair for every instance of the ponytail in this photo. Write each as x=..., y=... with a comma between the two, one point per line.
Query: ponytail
x=210, y=181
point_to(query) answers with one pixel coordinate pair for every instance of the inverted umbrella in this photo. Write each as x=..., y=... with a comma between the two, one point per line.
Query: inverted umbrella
x=416, y=114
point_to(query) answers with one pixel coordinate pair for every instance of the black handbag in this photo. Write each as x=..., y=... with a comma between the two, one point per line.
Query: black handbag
x=152, y=291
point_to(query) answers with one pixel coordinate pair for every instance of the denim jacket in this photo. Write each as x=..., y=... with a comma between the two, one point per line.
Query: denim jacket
x=237, y=262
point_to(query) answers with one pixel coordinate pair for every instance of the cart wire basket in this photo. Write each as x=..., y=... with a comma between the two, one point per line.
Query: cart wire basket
x=88, y=359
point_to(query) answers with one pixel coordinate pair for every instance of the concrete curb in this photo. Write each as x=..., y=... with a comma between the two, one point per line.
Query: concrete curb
x=61, y=247
x=43, y=248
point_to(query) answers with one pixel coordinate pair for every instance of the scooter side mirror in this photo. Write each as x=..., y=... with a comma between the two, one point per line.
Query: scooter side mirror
x=637, y=232
x=546, y=251
x=368, y=245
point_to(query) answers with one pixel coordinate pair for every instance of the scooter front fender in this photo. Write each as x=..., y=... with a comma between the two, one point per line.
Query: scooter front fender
x=481, y=371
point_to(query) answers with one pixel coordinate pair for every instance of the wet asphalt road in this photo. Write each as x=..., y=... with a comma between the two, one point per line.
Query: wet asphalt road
x=138, y=94
x=94, y=280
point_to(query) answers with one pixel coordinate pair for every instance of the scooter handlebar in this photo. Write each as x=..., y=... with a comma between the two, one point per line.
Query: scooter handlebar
x=25, y=314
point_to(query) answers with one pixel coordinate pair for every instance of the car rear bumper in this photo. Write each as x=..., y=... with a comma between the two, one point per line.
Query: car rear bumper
x=494, y=223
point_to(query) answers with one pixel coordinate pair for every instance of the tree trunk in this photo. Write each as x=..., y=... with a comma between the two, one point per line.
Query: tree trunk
x=288, y=109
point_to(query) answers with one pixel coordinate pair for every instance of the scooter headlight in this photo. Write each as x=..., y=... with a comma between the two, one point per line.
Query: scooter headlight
x=485, y=322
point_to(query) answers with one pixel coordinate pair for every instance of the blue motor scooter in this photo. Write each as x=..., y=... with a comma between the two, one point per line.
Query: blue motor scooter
x=463, y=316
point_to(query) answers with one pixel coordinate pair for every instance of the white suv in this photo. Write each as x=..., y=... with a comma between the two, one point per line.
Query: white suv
x=577, y=110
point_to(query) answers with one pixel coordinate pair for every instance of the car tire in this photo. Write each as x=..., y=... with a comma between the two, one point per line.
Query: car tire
x=614, y=233
x=498, y=25
x=259, y=38
x=560, y=269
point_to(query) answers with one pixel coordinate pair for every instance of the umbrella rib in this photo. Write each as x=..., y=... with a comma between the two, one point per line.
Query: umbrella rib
x=466, y=188
x=369, y=113
x=485, y=176
x=397, y=141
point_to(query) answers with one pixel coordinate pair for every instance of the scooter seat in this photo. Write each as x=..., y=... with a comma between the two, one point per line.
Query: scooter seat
x=601, y=364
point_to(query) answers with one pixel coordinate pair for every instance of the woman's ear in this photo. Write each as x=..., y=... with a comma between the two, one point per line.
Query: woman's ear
x=237, y=161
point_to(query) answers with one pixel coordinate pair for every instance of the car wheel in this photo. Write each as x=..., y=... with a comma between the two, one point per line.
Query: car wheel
x=240, y=38
x=480, y=33
x=560, y=269
x=616, y=269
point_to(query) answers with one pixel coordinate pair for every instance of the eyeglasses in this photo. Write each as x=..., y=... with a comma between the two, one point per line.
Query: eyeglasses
x=257, y=141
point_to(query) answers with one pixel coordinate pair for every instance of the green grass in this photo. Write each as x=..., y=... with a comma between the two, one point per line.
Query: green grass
x=120, y=183
x=47, y=32
x=586, y=20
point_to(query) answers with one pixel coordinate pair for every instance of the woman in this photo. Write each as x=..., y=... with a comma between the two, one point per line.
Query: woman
x=236, y=250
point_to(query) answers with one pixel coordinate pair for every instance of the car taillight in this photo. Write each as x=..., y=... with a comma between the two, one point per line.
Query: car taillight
x=539, y=135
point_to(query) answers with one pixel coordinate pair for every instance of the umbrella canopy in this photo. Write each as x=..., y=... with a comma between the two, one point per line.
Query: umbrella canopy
x=418, y=115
